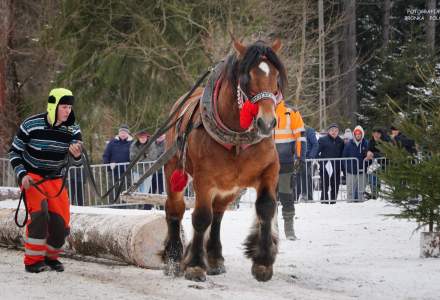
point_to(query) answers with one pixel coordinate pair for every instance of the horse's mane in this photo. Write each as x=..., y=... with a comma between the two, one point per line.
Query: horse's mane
x=237, y=70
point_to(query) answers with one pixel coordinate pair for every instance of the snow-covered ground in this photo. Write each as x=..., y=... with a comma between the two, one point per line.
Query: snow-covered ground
x=344, y=251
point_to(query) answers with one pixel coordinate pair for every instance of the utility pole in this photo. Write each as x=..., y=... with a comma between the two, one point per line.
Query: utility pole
x=322, y=100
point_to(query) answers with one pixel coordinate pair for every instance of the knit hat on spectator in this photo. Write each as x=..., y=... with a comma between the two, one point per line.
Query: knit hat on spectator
x=358, y=130
x=124, y=127
x=142, y=132
x=377, y=129
x=333, y=125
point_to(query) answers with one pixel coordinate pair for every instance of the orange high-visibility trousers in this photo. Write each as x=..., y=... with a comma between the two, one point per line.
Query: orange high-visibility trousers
x=48, y=223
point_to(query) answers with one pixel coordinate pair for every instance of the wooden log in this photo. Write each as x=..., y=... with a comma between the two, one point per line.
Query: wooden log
x=157, y=200
x=9, y=193
x=135, y=237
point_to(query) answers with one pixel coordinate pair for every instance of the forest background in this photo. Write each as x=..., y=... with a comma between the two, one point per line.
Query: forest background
x=127, y=61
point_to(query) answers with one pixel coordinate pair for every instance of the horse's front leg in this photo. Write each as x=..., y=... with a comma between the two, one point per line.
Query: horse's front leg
x=174, y=208
x=194, y=262
x=262, y=243
x=214, y=246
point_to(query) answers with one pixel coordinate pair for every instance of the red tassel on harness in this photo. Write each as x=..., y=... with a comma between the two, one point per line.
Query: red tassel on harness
x=247, y=114
x=178, y=180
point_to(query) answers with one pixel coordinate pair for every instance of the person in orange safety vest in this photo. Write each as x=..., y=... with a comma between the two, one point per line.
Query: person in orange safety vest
x=289, y=139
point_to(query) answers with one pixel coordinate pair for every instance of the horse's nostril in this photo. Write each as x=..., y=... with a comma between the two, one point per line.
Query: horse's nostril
x=274, y=123
x=265, y=127
x=260, y=123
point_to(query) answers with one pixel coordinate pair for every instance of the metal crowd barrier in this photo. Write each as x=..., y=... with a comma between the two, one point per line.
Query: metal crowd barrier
x=341, y=179
x=82, y=193
x=7, y=176
x=316, y=175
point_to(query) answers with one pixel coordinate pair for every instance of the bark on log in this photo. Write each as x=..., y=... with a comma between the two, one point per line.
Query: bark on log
x=158, y=200
x=9, y=193
x=135, y=239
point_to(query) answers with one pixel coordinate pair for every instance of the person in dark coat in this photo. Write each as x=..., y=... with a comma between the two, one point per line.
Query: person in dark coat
x=304, y=182
x=402, y=140
x=347, y=137
x=330, y=146
x=153, y=154
x=375, y=159
x=117, y=154
x=356, y=148
x=142, y=137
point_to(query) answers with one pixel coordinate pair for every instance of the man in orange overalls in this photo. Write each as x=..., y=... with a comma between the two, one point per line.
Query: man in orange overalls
x=38, y=154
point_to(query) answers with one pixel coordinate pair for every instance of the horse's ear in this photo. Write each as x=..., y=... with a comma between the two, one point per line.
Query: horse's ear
x=238, y=46
x=276, y=45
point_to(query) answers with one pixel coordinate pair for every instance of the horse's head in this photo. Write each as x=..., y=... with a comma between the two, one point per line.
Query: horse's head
x=261, y=80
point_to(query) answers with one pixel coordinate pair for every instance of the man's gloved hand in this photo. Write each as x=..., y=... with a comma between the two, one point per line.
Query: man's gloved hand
x=112, y=165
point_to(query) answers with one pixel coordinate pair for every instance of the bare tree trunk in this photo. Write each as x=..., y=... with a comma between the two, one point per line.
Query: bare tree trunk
x=9, y=92
x=302, y=55
x=5, y=10
x=386, y=22
x=5, y=31
x=430, y=24
x=350, y=64
x=336, y=70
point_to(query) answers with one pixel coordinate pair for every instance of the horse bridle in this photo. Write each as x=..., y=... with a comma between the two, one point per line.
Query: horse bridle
x=242, y=97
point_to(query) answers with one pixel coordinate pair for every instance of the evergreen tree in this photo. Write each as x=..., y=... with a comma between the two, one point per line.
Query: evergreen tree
x=391, y=71
x=413, y=182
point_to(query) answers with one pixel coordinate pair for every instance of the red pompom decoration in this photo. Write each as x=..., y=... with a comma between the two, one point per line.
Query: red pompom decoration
x=247, y=114
x=178, y=180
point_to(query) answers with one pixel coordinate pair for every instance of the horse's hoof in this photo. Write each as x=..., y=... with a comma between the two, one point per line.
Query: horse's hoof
x=195, y=274
x=262, y=273
x=172, y=268
x=217, y=270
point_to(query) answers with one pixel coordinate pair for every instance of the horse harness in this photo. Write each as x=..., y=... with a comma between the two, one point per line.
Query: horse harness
x=212, y=122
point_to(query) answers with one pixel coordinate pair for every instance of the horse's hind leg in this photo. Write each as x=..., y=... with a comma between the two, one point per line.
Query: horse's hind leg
x=262, y=243
x=174, y=209
x=216, y=261
x=195, y=257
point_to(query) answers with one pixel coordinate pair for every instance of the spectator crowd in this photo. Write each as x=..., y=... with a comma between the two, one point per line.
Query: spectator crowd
x=345, y=159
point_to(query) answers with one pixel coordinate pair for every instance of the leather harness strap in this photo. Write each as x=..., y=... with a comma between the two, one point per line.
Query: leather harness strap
x=217, y=130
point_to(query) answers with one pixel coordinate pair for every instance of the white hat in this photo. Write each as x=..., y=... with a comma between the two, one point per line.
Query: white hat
x=347, y=134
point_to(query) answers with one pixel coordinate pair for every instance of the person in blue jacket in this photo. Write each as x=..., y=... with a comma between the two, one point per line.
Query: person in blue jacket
x=331, y=147
x=304, y=182
x=116, y=154
x=357, y=148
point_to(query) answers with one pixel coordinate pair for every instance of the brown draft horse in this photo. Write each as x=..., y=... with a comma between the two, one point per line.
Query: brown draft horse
x=219, y=174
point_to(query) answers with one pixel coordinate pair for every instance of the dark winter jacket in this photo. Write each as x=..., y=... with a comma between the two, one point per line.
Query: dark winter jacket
x=156, y=150
x=311, y=143
x=357, y=150
x=329, y=147
x=405, y=142
x=372, y=146
x=135, y=148
x=117, y=151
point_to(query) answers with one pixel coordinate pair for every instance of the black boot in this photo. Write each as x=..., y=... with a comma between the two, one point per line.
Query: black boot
x=37, y=267
x=55, y=264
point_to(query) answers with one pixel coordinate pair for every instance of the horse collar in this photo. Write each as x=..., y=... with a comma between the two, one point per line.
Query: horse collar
x=212, y=123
